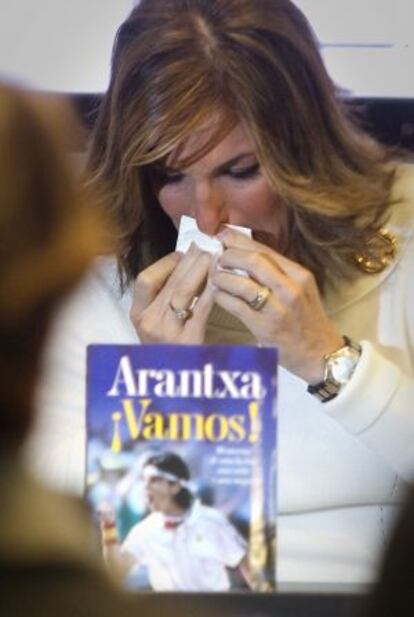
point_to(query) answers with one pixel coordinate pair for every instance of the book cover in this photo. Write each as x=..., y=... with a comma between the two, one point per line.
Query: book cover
x=181, y=464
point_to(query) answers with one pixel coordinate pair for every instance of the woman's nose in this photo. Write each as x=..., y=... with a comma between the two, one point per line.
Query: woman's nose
x=210, y=208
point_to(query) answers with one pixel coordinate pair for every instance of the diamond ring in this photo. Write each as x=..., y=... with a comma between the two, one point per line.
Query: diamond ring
x=260, y=299
x=181, y=314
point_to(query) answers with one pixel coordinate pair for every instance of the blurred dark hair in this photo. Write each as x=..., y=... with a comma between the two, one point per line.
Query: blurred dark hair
x=49, y=231
x=393, y=594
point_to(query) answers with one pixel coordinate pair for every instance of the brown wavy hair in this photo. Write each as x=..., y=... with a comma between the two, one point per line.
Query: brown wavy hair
x=175, y=63
x=50, y=229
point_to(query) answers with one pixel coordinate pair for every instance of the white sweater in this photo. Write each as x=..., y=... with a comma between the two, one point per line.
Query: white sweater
x=342, y=465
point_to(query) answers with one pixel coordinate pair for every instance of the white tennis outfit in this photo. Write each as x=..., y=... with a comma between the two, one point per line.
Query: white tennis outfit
x=192, y=557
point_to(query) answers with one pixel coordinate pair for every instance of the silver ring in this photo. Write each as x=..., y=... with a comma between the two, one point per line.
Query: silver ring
x=181, y=314
x=261, y=298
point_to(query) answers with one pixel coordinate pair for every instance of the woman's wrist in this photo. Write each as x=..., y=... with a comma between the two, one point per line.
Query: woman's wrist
x=314, y=372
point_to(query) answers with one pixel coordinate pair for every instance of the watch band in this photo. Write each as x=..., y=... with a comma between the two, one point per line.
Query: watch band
x=329, y=388
x=325, y=390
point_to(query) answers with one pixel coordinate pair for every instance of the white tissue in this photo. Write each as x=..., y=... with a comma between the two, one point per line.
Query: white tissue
x=188, y=232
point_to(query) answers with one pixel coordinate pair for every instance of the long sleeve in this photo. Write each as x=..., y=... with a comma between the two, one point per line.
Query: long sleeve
x=378, y=408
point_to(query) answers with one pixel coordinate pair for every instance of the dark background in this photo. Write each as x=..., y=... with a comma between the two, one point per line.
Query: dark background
x=390, y=120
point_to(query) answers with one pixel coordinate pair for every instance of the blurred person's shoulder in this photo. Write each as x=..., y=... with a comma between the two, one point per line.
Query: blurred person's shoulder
x=393, y=593
x=49, y=559
x=97, y=309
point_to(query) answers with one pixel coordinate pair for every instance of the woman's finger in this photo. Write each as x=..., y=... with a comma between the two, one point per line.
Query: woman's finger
x=244, y=253
x=188, y=283
x=262, y=271
x=231, y=238
x=163, y=275
x=242, y=287
x=164, y=295
x=255, y=320
x=151, y=280
x=256, y=263
x=195, y=326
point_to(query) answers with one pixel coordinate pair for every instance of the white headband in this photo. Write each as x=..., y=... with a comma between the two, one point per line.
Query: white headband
x=150, y=471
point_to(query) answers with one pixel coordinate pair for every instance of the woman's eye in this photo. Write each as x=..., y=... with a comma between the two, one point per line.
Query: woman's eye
x=245, y=172
x=161, y=176
x=172, y=177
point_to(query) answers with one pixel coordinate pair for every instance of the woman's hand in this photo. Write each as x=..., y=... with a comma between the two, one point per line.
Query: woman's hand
x=171, y=283
x=292, y=318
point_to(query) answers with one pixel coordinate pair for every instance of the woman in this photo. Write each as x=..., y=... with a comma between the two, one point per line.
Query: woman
x=222, y=110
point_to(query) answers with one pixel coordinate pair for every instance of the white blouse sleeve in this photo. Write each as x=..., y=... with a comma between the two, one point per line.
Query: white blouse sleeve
x=378, y=407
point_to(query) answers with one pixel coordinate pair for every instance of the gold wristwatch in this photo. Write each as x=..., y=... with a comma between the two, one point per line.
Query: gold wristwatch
x=339, y=368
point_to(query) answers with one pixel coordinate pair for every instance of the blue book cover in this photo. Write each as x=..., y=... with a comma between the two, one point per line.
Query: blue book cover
x=181, y=464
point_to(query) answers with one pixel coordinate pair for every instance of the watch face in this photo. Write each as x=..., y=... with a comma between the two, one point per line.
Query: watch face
x=342, y=369
x=342, y=365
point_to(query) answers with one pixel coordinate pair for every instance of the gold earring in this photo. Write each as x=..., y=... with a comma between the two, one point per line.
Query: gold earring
x=380, y=252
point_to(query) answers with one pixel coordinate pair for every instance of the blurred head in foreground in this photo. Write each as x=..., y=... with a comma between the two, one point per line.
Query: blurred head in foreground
x=393, y=593
x=49, y=231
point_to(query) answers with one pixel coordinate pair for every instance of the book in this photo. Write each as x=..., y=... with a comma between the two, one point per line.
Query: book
x=181, y=464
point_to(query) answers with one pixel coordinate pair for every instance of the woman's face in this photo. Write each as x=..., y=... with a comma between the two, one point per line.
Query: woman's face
x=224, y=186
x=160, y=494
